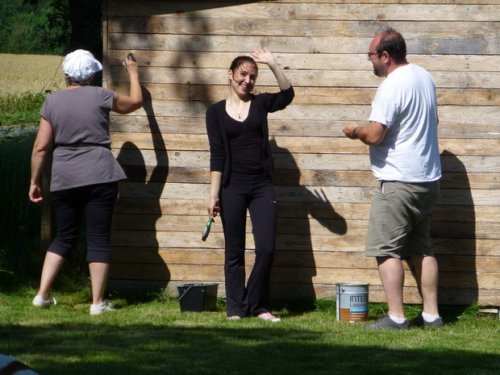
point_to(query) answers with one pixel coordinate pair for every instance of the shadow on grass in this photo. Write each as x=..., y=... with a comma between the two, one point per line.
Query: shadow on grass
x=148, y=349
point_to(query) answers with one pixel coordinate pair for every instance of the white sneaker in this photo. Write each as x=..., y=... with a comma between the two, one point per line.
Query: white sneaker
x=102, y=308
x=38, y=301
x=267, y=316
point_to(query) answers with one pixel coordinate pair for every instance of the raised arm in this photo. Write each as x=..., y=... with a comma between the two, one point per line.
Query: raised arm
x=128, y=103
x=264, y=56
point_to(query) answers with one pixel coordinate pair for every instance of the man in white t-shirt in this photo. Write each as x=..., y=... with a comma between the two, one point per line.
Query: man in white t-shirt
x=404, y=154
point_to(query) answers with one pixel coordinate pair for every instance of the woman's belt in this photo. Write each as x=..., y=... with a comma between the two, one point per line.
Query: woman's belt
x=82, y=144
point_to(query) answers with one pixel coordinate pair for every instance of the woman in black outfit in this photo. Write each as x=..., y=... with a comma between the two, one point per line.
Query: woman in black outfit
x=241, y=170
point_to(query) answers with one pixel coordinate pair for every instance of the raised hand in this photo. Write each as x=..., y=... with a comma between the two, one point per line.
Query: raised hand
x=320, y=195
x=263, y=56
x=130, y=64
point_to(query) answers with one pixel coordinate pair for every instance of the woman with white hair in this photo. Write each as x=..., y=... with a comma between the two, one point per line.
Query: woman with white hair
x=74, y=128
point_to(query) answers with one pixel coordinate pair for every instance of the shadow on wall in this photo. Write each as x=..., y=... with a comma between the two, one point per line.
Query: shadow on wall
x=453, y=235
x=189, y=58
x=458, y=276
x=135, y=244
x=294, y=259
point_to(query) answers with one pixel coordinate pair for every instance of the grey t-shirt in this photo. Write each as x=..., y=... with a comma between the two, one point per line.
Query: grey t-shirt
x=80, y=120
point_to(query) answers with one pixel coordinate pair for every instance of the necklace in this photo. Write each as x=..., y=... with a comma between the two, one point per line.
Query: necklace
x=237, y=109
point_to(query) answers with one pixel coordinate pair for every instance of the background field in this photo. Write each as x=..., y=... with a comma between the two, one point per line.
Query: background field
x=30, y=73
x=25, y=80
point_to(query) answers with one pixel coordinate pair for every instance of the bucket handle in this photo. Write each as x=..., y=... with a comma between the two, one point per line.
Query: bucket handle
x=181, y=297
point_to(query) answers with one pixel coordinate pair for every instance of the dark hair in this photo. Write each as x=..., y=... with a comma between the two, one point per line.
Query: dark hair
x=238, y=61
x=394, y=44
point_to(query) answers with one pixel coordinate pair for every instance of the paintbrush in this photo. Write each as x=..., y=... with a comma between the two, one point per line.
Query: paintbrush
x=206, y=229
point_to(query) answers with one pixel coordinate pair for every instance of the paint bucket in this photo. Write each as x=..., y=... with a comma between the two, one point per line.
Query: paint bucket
x=352, y=302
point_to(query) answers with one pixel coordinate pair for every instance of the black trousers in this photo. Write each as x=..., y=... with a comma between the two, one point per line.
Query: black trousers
x=94, y=202
x=256, y=195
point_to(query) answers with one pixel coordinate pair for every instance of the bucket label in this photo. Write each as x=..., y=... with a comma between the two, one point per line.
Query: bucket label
x=349, y=315
x=352, y=302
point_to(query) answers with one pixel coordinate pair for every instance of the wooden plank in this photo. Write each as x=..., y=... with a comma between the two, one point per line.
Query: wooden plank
x=434, y=2
x=317, y=210
x=330, y=193
x=300, y=78
x=290, y=242
x=296, y=226
x=305, y=178
x=280, y=10
x=198, y=208
x=454, y=114
x=449, y=296
x=335, y=194
x=245, y=26
x=305, y=44
x=280, y=293
x=304, y=223
x=316, y=145
x=215, y=273
x=288, y=127
x=311, y=95
x=466, y=214
x=291, y=145
x=301, y=61
x=337, y=162
x=297, y=259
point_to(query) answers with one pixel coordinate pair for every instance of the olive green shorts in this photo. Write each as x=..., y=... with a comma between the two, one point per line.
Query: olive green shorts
x=399, y=224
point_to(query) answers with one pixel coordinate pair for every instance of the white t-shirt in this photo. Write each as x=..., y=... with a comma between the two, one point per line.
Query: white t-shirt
x=406, y=103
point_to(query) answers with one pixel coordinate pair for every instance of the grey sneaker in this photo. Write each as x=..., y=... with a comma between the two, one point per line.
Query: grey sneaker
x=420, y=322
x=38, y=301
x=103, y=308
x=387, y=323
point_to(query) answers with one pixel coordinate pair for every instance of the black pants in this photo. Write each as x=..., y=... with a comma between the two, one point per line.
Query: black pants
x=257, y=195
x=97, y=202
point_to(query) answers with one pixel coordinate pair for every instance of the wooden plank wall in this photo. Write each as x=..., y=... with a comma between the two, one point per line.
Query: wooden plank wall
x=324, y=183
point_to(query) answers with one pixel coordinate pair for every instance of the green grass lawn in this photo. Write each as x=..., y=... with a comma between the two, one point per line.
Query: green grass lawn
x=154, y=337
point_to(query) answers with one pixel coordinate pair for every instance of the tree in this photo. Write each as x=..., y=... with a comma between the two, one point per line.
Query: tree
x=50, y=26
x=57, y=30
x=86, y=21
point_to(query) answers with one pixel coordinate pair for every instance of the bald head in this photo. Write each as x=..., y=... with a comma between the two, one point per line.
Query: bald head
x=393, y=43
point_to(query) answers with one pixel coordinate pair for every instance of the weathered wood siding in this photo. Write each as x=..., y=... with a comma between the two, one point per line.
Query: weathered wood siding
x=323, y=180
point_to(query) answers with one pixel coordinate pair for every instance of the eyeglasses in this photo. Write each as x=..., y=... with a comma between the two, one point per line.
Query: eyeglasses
x=370, y=54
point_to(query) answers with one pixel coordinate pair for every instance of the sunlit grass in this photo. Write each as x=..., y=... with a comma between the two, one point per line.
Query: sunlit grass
x=26, y=80
x=152, y=336
x=21, y=109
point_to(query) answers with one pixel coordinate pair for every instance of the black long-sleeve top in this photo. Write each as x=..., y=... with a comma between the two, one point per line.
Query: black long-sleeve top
x=218, y=122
